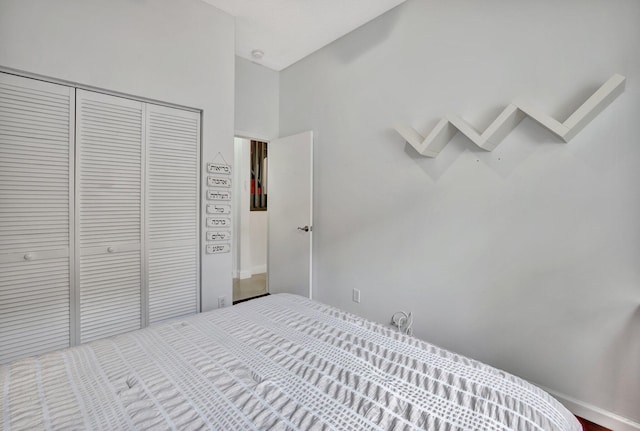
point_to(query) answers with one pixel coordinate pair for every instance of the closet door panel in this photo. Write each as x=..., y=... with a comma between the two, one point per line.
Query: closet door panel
x=34, y=307
x=110, y=169
x=36, y=217
x=173, y=282
x=173, y=160
x=110, y=295
x=110, y=175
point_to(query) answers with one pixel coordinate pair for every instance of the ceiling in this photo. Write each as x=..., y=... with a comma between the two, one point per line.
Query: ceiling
x=289, y=30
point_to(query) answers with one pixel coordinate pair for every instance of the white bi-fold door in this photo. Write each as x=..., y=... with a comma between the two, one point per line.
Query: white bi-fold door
x=172, y=212
x=36, y=216
x=99, y=215
x=137, y=194
x=109, y=213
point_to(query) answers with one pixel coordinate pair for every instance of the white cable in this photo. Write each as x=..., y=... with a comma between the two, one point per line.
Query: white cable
x=403, y=322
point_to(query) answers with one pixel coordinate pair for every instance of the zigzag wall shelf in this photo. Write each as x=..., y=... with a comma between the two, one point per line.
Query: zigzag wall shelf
x=446, y=128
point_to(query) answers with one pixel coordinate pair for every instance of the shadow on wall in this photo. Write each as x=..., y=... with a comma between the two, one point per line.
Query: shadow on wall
x=503, y=153
x=503, y=160
x=627, y=387
x=367, y=37
x=570, y=102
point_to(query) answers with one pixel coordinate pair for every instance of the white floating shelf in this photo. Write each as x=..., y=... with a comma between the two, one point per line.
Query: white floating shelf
x=446, y=129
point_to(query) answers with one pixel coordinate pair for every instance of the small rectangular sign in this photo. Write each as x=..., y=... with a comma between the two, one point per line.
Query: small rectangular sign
x=218, y=248
x=218, y=235
x=218, y=195
x=218, y=168
x=218, y=209
x=218, y=182
x=218, y=222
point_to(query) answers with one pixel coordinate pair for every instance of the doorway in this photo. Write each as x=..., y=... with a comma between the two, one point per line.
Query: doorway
x=250, y=219
x=273, y=243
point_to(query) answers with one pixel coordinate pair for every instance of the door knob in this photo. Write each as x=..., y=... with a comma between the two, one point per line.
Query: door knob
x=304, y=228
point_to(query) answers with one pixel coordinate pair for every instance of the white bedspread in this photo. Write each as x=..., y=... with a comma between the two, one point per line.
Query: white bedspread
x=278, y=363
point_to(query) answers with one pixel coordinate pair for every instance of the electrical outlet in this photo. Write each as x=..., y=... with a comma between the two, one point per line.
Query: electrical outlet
x=222, y=302
x=356, y=295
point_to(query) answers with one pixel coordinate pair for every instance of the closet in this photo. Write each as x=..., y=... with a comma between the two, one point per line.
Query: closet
x=99, y=210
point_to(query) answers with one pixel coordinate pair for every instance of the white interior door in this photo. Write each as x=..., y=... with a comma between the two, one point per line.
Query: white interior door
x=290, y=193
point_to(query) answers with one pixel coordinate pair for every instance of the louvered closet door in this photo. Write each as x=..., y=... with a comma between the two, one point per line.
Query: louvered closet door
x=36, y=223
x=173, y=159
x=109, y=159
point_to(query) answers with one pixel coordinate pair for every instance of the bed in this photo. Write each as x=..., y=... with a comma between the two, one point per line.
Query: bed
x=281, y=362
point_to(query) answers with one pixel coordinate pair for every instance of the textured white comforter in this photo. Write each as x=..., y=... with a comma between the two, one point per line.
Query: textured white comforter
x=278, y=363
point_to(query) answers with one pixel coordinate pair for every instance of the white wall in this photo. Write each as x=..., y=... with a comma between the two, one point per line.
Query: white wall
x=258, y=235
x=257, y=98
x=527, y=257
x=178, y=51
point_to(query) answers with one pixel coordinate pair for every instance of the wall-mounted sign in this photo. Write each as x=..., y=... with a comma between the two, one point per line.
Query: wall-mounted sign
x=218, y=195
x=218, y=209
x=218, y=222
x=218, y=235
x=218, y=248
x=218, y=168
x=218, y=181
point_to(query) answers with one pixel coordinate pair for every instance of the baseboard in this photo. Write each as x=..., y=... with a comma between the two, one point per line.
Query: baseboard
x=260, y=269
x=595, y=414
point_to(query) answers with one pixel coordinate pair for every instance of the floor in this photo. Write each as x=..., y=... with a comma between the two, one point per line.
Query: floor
x=249, y=287
x=590, y=426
